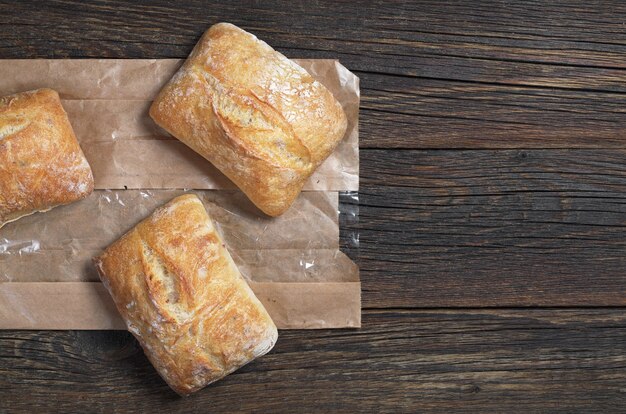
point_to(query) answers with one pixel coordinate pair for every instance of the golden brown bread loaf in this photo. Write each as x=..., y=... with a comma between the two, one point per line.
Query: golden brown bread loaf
x=257, y=116
x=41, y=163
x=181, y=295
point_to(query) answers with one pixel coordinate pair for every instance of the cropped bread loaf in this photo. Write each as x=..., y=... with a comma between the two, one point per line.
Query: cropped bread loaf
x=41, y=163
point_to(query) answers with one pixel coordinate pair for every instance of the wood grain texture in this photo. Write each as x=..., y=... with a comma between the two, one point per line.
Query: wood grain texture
x=417, y=113
x=493, y=228
x=434, y=74
x=400, y=361
x=493, y=158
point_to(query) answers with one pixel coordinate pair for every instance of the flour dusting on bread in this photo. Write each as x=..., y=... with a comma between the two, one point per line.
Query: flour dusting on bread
x=260, y=118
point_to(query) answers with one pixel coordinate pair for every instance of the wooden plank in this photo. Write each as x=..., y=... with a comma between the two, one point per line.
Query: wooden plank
x=464, y=75
x=493, y=42
x=493, y=228
x=401, y=361
x=402, y=112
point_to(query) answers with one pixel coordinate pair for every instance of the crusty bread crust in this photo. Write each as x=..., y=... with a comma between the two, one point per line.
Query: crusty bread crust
x=182, y=296
x=41, y=163
x=257, y=116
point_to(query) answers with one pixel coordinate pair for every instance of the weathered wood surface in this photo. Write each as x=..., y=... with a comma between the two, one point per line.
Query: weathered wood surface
x=493, y=175
x=493, y=228
x=544, y=360
x=435, y=74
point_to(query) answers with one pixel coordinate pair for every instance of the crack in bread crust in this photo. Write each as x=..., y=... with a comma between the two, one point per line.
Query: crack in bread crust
x=256, y=127
x=11, y=125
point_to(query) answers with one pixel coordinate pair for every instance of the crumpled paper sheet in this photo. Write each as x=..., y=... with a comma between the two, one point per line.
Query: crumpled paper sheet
x=107, y=102
x=293, y=262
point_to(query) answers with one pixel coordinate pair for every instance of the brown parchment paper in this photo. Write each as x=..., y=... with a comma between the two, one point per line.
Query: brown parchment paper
x=107, y=102
x=302, y=245
x=292, y=262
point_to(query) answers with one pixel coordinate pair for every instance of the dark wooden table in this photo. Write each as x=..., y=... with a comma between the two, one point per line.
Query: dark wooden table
x=492, y=210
